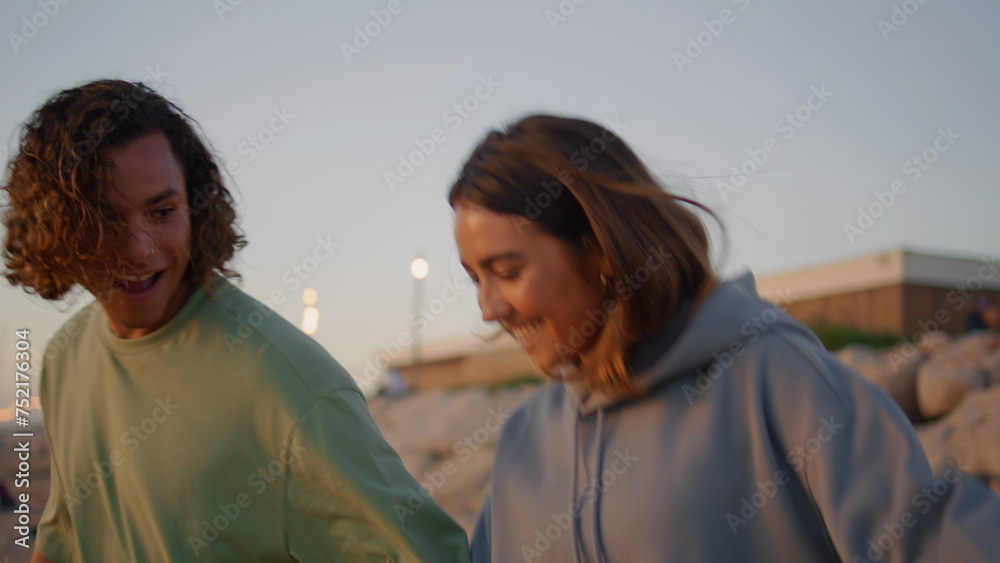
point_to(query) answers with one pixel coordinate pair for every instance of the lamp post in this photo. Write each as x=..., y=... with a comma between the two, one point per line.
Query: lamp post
x=419, y=268
x=310, y=315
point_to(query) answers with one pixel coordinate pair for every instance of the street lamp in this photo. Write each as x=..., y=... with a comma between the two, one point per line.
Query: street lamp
x=419, y=268
x=310, y=316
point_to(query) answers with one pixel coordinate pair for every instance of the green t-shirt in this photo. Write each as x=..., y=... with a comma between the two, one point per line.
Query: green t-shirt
x=226, y=435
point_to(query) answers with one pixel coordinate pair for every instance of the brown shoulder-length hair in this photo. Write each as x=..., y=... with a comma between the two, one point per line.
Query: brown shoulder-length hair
x=56, y=235
x=580, y=182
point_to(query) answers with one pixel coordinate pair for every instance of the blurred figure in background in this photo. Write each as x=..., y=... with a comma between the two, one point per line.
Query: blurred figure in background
x=991, y=317
x=974, y=315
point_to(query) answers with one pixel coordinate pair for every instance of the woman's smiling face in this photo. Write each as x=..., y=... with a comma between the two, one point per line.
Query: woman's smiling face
x=535, y=285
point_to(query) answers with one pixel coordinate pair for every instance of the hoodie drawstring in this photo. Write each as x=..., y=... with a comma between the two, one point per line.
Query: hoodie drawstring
x=596, y=522
x=573, y=492
x=598, y=542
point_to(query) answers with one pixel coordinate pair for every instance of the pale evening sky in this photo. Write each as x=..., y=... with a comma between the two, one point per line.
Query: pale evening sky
x=839, y=97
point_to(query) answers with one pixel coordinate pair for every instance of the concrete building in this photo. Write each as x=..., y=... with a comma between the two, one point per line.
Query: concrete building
x=464, y=362
x=901, y=292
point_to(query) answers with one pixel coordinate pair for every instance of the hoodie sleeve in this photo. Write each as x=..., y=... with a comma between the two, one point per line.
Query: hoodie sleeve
x=867, y=473
x=349, y=498
x=481, y=544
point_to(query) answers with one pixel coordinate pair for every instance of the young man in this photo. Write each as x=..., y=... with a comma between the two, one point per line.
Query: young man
x=186, y=421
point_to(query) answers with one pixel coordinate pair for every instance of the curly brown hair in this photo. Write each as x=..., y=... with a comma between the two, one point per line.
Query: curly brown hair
x=56, y=234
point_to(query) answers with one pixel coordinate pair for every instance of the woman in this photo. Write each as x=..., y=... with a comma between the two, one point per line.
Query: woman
x=691, y=420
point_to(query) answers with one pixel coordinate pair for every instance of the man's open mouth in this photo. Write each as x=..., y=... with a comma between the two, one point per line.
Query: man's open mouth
x=138, y=284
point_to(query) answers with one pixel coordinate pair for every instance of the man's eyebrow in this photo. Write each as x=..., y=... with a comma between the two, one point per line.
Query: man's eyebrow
x=165, y=194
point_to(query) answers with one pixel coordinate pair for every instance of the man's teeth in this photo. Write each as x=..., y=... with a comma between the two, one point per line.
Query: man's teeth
x=138, y=278
x=525, y=331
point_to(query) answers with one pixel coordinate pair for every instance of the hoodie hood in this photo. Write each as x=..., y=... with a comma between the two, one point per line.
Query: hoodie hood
x=731, y=317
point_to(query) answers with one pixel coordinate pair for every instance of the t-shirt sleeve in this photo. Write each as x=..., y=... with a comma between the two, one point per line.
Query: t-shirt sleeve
x=482, y=551
x=55, y=527
x=869, y=477
x=349, y=498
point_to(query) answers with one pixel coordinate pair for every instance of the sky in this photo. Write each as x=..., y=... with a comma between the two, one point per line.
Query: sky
x=817, y=131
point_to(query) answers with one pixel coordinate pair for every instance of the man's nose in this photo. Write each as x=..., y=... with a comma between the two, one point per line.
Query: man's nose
x=139, y=243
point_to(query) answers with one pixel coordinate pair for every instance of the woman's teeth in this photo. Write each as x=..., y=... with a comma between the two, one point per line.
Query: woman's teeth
x=525, y=331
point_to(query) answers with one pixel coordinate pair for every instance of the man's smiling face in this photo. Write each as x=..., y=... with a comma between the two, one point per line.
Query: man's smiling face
x=145, y=199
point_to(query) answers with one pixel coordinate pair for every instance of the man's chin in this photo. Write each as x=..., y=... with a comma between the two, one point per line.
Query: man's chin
x=132, y=326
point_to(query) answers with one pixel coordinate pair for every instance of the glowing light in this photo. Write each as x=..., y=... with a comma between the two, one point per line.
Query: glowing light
x=419, y=268
x=310, y=320
x=309, y=297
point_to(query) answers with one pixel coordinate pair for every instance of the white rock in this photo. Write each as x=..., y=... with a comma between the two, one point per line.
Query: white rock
x=967, y=364
x=969, y=347
x=943, y=384
x=447, y=439
x=933, y=342
x=894, y=371
x=990, y=365
x=969, y=435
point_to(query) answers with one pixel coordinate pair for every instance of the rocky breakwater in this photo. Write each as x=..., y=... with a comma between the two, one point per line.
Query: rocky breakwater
x=446, y=439
x=950, y=389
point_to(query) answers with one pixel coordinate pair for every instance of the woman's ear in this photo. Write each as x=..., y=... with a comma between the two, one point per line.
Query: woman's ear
x=596, y=260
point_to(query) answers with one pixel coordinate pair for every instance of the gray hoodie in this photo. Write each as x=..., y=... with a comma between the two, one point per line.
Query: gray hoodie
x=751, y=443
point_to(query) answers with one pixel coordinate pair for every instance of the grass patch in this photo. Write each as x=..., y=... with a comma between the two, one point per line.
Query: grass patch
x=514, y=383
x=836, y=337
